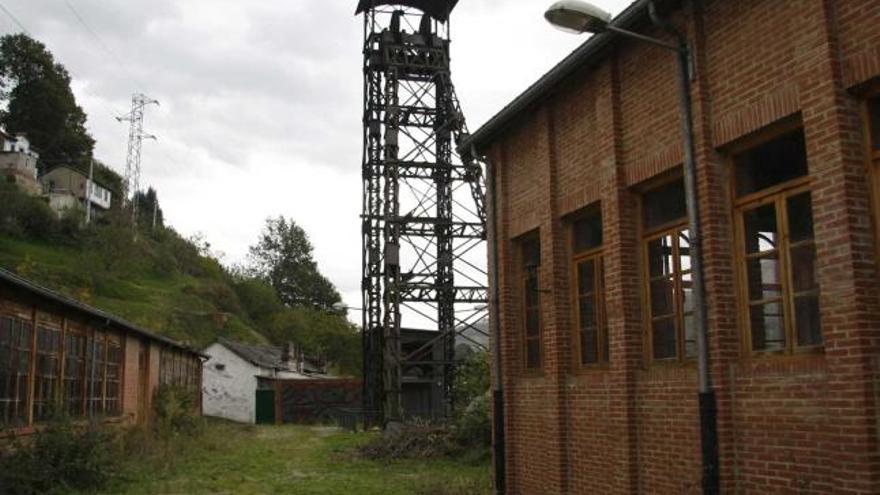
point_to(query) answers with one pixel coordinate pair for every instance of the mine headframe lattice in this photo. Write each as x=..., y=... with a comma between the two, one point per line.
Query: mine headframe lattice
x=424, y=222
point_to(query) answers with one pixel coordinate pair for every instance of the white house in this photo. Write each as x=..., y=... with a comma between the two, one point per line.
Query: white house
x=235, y=371
x=18, y=162
x=68, y=188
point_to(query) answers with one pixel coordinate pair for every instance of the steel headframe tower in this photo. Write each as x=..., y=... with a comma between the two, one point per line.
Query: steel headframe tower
x=136, y=136
x=423, y=222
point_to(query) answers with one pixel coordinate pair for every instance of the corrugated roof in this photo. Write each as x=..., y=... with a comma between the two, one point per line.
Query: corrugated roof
x=589, y=51
x=264, y=356
x=35, y=289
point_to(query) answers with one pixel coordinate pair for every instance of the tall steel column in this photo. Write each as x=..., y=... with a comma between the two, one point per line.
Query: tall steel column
x=136, y=136
x=423, y=221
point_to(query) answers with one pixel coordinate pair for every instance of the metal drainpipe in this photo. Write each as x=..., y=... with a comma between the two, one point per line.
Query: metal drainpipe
x=498, y=393
x=707, y=401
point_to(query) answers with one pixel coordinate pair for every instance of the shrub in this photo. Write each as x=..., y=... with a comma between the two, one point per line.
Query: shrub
x=473, y=427
x=416, y=439
x=59, y=459
x=177, y=412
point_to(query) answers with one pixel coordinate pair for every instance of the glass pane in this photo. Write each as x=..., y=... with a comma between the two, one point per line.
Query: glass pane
x=661, y=297
x=531, y=292
x=690, y=336
x=587, y=232
x=664, y=339
x=763, y=278
x=800, y=217
x=664, y=205
x=772, y=163
x=660, y=260
x=586, y=277
x=687, y=293
x=684, y=250
x=587, y=313
x=761, y=232
x=874, y=112
x=531, y=252
x=806, y=317
x=768, y=331
x=803, y=268
x=533, y=354
x=532, y=323
x=589, y=344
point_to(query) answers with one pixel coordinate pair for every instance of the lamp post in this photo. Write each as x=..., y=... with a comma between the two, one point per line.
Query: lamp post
x=582, y=17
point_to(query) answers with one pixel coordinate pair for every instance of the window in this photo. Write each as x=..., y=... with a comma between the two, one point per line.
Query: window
x=74, y=373
x=591, y=331
x=777, y=253
x=113, y=404
x=530, y=259
x=873, y=122
x=46, y=379
x=669, y=287
x=97, y=353
x=15, y=357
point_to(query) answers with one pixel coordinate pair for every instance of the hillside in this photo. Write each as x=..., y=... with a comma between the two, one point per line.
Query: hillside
x=194, y=307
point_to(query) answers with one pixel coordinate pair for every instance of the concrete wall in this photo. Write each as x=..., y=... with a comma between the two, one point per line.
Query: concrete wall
x=229, y=393
x=803, y=424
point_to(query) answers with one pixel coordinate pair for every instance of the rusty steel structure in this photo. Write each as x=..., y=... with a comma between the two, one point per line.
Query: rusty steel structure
x=423, y=222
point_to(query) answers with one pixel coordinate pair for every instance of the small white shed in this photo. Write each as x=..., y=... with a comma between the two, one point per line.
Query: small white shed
x=235, y=371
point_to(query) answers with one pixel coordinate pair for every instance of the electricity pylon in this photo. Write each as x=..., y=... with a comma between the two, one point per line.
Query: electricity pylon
x=136, y=136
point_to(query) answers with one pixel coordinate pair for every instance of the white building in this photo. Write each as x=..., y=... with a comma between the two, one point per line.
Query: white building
x=18, y=162
x=70, y=188
x=235, y=371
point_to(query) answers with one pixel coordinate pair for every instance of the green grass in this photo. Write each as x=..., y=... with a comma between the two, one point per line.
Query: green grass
x=176, y=305
x=295, y=460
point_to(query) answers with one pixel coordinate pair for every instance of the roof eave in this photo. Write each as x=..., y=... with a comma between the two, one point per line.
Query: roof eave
x=542, y=87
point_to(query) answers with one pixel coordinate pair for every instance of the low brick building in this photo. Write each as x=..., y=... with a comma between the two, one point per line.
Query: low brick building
x=59, y=355
x=597, y=337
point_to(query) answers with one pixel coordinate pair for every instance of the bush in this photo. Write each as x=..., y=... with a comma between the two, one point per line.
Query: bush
x=59, y=459
x=416, y=439
x=177, y=413
x=473, y=427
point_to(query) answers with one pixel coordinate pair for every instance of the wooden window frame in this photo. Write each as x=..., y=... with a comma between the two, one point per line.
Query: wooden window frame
x=872, y=165
x=54, y=400
x=597, y=256
x=27, y=419
x=777, y=195
x=646, y=235
x=83, y=366
x=672, y=229
x=523, y=278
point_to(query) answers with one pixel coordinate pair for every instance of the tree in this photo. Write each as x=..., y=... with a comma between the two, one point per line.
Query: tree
x=147, y=201
x=40, y=102
x=283, y=257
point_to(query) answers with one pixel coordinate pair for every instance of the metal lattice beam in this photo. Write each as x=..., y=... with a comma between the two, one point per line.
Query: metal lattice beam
x=423, y=221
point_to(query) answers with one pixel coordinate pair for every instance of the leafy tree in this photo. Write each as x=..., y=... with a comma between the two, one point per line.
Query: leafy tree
x=146, y=202
x=40, y=102
x=283, y=256
x=321, y=334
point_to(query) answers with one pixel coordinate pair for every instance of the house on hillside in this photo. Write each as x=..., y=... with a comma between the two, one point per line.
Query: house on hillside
x=235, y=372
x=18, y=162
x=69, y=188
x=58, y=353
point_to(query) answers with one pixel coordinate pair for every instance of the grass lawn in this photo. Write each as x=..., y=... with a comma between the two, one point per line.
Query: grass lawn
x=291, y=460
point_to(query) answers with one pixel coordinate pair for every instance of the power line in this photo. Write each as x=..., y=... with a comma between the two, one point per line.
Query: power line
x=102, y=44
x=14, y=19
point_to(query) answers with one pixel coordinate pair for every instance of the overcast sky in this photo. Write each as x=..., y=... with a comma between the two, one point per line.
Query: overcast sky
x=261, y=102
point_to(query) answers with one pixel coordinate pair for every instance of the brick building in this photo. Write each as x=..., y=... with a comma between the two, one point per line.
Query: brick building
x=59, y=354
x=597, y=342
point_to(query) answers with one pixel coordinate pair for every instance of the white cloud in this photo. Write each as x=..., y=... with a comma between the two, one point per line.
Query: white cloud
x=261, y=102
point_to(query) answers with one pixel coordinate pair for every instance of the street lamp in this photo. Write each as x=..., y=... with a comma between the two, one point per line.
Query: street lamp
x=581, y=17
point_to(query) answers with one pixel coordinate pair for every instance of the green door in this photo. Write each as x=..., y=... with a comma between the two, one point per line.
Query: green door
x=265, y=407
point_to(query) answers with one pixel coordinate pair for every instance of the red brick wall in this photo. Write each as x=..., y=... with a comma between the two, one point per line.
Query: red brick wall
x=786, y=425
